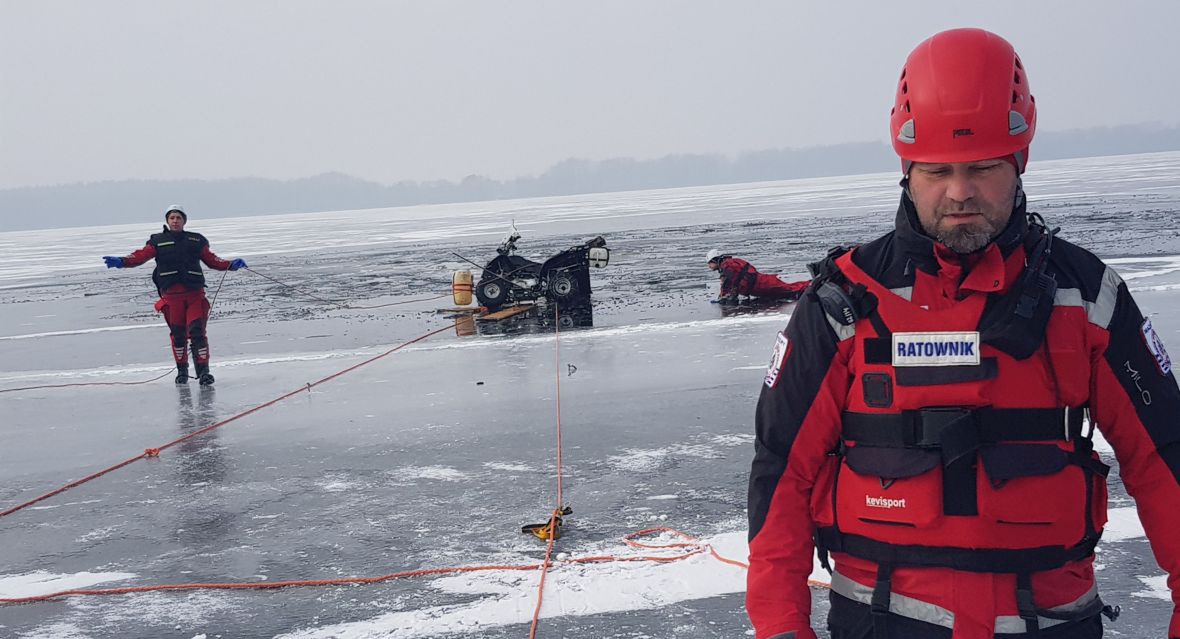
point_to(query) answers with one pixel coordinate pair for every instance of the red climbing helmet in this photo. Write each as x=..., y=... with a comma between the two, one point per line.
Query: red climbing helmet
x=963, y=96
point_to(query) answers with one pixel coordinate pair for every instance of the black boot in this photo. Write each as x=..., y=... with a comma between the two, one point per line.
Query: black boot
x=203, y=375
x=182, y=373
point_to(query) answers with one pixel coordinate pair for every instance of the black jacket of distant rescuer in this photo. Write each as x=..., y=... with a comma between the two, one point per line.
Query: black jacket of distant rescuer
x=964, y=494
x=178, y=258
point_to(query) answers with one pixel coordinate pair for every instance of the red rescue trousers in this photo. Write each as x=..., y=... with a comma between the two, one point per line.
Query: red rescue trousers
x=771, y=287
x=186, y=312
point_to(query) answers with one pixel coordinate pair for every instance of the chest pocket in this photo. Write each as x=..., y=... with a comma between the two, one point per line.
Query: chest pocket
x=890, y=486
x=1001, y=464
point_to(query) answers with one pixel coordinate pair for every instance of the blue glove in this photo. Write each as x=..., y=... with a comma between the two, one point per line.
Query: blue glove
x=113, y=262
x=237, y=264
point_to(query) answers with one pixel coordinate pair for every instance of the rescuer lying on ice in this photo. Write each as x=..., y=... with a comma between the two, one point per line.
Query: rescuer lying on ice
x=178, y=278
x=739, y=277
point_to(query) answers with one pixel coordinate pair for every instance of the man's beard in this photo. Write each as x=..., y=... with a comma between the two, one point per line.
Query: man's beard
x=964, y=239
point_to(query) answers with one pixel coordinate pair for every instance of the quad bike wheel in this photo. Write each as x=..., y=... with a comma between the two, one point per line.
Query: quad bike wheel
x=492, y=293
x=563, y=287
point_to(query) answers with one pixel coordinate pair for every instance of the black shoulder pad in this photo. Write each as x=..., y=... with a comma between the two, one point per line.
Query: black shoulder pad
x=826, y=267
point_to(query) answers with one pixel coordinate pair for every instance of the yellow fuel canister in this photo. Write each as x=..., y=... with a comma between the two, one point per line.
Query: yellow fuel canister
x=461, y=287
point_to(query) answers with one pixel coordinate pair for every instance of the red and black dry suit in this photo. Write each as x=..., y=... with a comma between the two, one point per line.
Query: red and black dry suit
x=181, y=284
x=959, y=500
x=739, y=277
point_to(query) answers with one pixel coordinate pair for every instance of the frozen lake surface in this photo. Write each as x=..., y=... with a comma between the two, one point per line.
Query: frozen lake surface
x=435, y=455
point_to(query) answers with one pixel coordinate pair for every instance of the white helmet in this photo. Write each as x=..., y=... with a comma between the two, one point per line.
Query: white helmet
x=712, y=255
x=178, y=209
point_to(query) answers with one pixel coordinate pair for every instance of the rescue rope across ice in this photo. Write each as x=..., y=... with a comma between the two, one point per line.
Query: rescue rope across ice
x=144, y=381
x=486, y=273
x=686, y=547
x=154, y=452
x=344, y=303
x=213, y=302
x=557, y=510
x=689, y=546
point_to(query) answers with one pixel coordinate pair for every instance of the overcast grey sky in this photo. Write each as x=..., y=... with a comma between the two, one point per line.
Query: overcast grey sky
x=439, y=89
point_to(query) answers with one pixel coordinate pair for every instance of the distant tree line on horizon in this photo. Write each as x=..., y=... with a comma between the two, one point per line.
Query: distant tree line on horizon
x=127, y=201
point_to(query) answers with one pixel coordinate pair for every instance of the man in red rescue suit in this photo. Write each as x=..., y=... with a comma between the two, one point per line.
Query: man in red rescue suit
x=921, y=422
x=739, y=277
x=178, y=277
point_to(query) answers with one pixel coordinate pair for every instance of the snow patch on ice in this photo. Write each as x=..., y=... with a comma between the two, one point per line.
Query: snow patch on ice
x=1100, y=444
x=97, y=534
x=57, y=631
x=1141, y=267
x=42, y=583
x=1160, y=287
x=733, y=439
x=503, y=341
x=613, y=332
x=1157, y=588
x=509, y=597
x=511, y=468
x=161, y=607
x=644, y=459
x=1122, y=524
x=107, y=372
x=337, y=484
x=68, y=503
x=438, y=473
x=570, y=589
x=80, y=331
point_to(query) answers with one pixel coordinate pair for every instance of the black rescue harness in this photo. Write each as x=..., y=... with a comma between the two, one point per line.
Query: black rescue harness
x=743, y=278
x=1004, y=441
x=178, y=259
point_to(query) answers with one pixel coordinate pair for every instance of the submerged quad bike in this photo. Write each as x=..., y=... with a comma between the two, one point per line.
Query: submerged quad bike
x=564, y=278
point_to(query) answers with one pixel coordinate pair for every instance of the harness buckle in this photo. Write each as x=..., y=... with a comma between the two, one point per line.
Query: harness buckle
x=1074, y=419
x=929, y=423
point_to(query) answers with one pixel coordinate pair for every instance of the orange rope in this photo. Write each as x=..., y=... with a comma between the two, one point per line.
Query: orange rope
x=557, y=378
x=155, y=452
x=557, y=509
x=690, y=547
x=695, y=546
x=260, y=585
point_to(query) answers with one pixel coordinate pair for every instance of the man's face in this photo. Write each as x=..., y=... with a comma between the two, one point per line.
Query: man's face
x=964, y=205
x=175, y=221
x=714, y=264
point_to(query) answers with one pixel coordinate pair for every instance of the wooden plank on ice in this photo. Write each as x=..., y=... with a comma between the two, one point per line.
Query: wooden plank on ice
x=504, y=313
